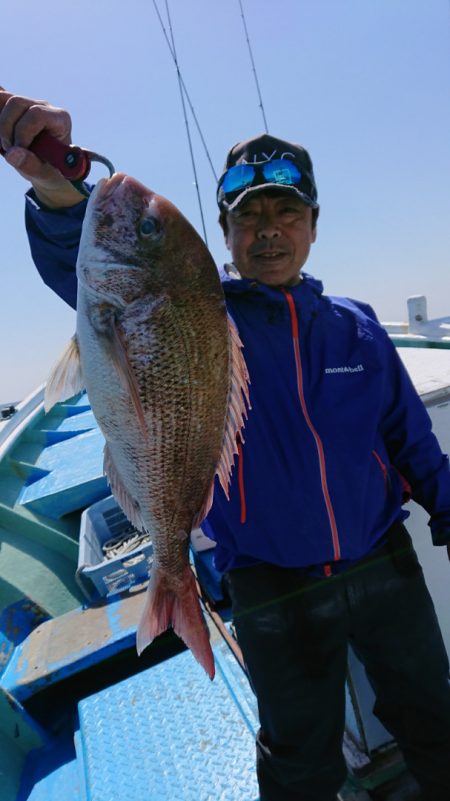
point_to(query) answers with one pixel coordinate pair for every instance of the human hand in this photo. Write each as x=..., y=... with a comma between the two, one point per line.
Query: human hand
x=21, y=120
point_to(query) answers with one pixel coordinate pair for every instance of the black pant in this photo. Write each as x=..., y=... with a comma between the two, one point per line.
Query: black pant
x=294, y=631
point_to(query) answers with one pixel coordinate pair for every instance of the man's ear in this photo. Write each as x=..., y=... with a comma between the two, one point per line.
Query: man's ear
x=314, y=218
x=224, y=226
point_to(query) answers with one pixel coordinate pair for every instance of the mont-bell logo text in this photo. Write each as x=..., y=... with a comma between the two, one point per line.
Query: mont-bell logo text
x=345, y=369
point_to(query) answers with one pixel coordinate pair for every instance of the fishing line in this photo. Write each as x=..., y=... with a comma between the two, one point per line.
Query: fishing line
x=186, y=122
x=186, y=93
x=261, y=105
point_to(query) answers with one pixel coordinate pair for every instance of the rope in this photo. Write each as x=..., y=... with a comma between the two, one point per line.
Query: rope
x=124, y=543
x=220, y=626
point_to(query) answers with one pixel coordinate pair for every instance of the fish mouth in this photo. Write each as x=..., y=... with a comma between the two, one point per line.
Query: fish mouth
x=116, y=188
x=107, y=186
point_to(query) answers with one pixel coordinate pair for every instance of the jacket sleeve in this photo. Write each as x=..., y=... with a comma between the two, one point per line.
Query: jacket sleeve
x=413, y=448
x=54, y=236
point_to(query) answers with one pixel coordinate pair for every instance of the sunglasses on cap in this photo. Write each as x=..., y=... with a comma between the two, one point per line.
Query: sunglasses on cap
x=278, y=171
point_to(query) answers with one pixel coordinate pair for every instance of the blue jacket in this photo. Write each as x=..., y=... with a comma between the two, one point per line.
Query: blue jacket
x=337, y=438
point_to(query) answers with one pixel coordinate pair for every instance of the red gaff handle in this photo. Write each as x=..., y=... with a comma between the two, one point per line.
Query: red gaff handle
x=71, y=161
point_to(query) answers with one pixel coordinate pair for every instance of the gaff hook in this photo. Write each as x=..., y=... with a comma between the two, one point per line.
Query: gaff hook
x=73, y=162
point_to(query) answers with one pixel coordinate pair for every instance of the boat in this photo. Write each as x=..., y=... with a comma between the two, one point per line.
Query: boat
x=82, y=718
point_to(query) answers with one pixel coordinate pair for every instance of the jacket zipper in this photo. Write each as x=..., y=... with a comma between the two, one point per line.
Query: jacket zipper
x=317, y=440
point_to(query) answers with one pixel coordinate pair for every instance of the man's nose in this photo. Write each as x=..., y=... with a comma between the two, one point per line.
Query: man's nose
x=268, y=227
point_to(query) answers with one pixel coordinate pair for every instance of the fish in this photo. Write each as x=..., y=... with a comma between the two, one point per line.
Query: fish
x=164, y=370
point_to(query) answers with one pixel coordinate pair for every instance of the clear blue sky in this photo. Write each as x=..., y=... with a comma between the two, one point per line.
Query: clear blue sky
x=363, y=84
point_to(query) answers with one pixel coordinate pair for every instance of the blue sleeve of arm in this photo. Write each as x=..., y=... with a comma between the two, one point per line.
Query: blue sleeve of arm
x=54, y=236
x=414, y=449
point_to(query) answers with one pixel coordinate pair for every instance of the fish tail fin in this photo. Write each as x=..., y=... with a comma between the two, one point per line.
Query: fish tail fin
x=173, y=601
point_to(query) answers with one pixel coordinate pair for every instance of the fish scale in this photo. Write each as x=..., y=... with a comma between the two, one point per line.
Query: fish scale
x=169, y=402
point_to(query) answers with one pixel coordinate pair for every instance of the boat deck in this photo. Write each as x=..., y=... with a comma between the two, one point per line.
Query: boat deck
x=81, y=716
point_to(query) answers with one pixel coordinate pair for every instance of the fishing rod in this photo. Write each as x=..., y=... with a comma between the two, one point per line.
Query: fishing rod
x=261, y=104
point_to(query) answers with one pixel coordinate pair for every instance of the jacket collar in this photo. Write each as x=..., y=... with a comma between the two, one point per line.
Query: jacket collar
x=307, y=294
x=233, y=283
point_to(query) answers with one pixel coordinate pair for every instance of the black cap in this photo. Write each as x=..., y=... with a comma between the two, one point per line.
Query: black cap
x=258, y=151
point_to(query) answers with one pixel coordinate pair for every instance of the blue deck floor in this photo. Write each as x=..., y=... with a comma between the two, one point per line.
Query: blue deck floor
x=165, y=734
x=168, y=734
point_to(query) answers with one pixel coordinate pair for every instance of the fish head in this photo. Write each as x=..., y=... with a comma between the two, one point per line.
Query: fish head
x=135, y=242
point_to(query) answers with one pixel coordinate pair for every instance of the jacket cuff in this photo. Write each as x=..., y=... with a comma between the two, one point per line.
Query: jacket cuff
x=37, y=208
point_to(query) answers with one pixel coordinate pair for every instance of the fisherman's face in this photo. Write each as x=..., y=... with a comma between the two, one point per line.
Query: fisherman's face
x=270, y=236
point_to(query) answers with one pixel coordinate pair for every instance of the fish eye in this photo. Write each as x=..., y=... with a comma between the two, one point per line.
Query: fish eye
x=149, y=227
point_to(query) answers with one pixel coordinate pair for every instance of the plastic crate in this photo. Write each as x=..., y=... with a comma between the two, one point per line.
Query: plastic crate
x=100, y=523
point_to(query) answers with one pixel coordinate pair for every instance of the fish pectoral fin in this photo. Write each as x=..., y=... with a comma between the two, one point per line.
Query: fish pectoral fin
x=128, y=505
x=173, y=601
x=65, y=379
x=126, y=375
x=238, y=404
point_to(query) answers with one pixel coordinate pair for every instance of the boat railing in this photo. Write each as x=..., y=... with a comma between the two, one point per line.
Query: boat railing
x=12, y=428
x=419, y=331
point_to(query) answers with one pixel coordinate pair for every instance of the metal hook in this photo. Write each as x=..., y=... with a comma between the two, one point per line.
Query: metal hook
x=102, y=160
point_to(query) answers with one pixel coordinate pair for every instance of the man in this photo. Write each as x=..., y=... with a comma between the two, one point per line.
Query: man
x=311, y=542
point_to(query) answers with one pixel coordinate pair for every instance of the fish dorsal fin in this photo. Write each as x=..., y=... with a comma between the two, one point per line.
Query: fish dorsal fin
x=121, y=494
x=126, y=375
x=65, y=379
x=238, y=403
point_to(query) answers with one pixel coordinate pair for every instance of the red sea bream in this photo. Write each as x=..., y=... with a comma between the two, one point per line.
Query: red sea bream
x=166, y=379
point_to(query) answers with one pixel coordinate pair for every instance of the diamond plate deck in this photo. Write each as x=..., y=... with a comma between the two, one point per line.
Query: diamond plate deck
x=169, y=734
